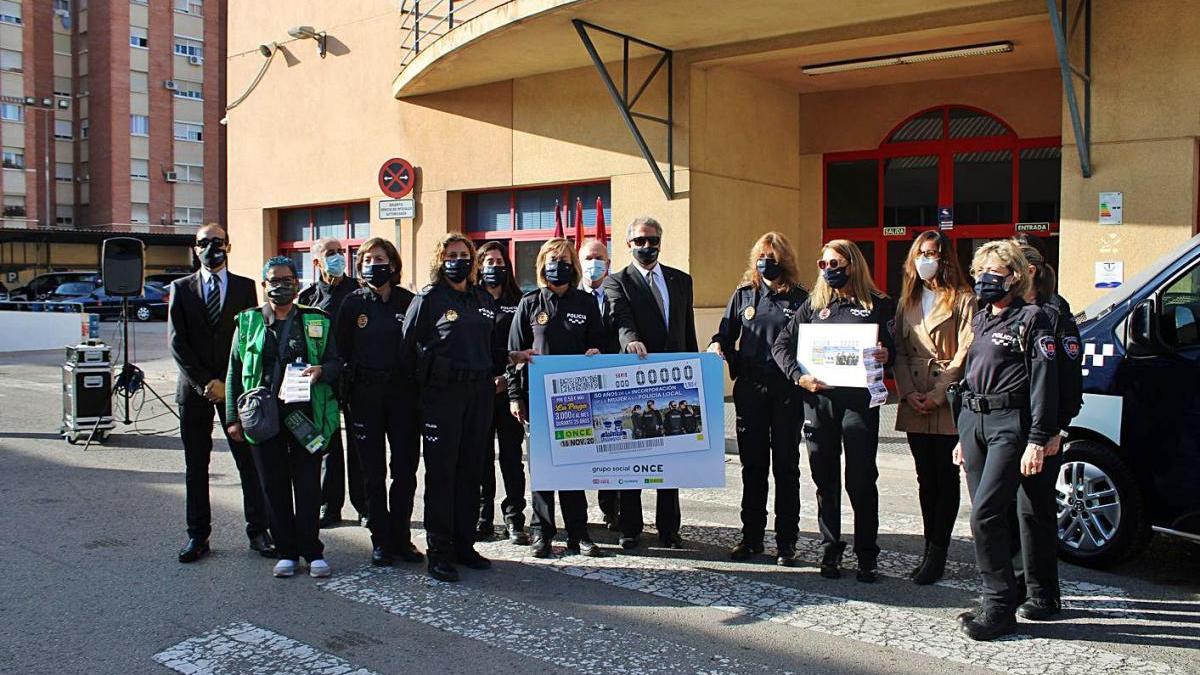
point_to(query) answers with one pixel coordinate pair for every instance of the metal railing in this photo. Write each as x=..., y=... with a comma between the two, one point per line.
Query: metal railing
x=424, y=22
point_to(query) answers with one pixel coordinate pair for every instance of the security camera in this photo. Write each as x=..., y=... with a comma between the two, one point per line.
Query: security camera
x=302, y=32
x=267, y=49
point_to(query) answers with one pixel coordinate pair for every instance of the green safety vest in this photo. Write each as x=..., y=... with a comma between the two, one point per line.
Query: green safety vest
x=252, y=331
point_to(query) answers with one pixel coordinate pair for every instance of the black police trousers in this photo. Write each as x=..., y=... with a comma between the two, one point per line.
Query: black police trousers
x=938, y=484
x=838, y=420
x=992, y=445
x=385, y=411
x=574, y=511
x=196, y=432
x=1034, y=526
x=509, y=434
x=769, y=413
x=666, y=513
x=341, y=463
x=291, y=476
x=456, y=421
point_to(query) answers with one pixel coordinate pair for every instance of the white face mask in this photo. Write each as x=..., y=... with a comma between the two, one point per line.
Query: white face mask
x=927, y=268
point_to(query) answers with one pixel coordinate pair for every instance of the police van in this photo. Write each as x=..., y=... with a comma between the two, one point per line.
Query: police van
x=1131, y=464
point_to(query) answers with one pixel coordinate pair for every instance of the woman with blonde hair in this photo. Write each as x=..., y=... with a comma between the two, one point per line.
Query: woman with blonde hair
x=933, y=332
x=558, y=318
x=768, y=406
x=1009, y=416
x=842, y=418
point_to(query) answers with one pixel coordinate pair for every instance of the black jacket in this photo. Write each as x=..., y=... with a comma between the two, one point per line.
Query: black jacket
x=201, y=352
x=635, y=315
x=328, y=298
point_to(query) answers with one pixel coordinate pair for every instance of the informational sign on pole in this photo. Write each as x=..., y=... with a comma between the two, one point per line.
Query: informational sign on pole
x=1112, y=207
x=395, y=209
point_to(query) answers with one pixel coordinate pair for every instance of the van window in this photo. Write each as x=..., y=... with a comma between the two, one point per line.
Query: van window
x=1181, y=311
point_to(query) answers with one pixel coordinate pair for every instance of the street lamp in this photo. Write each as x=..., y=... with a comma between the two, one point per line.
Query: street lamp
x=47, y=105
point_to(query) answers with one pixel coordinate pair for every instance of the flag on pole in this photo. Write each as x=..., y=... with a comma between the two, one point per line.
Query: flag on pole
x=601, y=235
x=578, y=223
x=558, y=222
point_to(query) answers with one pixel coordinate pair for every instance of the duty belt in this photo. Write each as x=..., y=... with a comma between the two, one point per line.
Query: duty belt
x=378, y=376
x=986, y=403
x=469, y=374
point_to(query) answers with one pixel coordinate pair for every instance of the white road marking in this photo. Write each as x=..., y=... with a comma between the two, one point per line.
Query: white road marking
x=246, y=648
x=526, y=629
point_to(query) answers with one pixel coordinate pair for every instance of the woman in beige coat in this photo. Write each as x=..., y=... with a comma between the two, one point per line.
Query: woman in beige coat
x=933, y=332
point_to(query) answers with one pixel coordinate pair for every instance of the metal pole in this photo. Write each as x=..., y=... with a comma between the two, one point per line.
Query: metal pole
x=125, y=365
x=46, y=160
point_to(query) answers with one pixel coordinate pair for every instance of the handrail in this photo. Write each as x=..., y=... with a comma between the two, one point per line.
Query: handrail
x=420, y=33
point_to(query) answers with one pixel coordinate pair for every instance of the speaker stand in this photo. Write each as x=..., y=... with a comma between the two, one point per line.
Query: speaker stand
x=131, y=377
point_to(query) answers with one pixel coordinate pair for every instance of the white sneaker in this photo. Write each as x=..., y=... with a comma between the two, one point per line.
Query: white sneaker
x=284, y=568
x=319, y=569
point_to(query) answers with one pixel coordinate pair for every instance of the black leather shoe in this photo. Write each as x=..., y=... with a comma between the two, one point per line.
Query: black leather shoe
x=442, y=570
x=786, y=556
x=485, y=532
x=831, y=560
x=516, y=535
x=265, y=546
x=965, y=617
x=745, y=551
x=629, y=543
x=329, y=518
x=924, y=556
x=585, y=548
x=193, y=551
x=610, y=521
x=540, y=548
x=671, y=541
x=381, y=558
x=991, y=624
x=409, y=553
x=868, y=571
x=934, y=567
x=471, y=558
x=1037, y=609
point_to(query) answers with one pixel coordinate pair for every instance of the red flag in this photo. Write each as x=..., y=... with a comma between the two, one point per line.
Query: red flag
x=558, y=222
x=601, y=235
x=578, y=223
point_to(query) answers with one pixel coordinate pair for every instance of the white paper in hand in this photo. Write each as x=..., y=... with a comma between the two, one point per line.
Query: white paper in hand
x=875, y=385
x=296, y=387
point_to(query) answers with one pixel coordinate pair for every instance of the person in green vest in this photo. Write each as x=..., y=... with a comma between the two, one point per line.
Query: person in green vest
x=267, y=341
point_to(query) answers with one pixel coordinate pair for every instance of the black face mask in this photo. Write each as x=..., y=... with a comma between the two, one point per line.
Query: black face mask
x=769, y=268
x=646, y=255
x=377, y=275
x=559, y=272
x=212, y=257
x=836, y=277
x=991, y=287
x=495, y=276
x=281, y=295
x=456, y=270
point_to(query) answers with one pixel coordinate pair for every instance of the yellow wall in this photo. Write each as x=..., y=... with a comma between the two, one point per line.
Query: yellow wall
x=32, y=255
x=1145, y=122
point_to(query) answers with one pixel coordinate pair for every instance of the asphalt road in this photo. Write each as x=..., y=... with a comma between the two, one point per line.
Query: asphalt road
x=90, y=583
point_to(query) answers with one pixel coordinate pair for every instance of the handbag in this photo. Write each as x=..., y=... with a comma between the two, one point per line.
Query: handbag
x=257, y=408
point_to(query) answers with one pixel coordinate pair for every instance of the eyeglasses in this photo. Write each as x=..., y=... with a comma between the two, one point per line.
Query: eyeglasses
x=930, y=255
x=282, y=281
x=831, y=264
x=646, y=241
x=206, y=242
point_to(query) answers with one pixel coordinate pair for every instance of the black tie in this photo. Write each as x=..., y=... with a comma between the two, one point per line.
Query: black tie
x=214, y=301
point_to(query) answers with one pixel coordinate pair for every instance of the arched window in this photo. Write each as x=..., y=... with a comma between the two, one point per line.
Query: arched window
x=952, y=166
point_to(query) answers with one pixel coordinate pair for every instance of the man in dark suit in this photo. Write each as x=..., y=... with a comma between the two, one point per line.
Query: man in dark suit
x=200, y=331
x=651, y=307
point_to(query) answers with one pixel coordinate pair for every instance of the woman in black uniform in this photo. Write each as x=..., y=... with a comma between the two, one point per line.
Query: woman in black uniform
x=768, y=407
x=1009, y=415
x=449, y=343
x=382, y=398
x=558, y=318
x=842, y=418
x=495, y=277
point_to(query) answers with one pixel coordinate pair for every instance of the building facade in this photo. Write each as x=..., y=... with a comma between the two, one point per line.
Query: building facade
x=857, y=119
x=110, y=126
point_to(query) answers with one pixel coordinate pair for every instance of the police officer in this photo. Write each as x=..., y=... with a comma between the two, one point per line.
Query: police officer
x=652, y=421
x=842, y=418
x=1009, y=415
x=327, y=293
x=556, y=319
x=449, y=343
x=635, y=425
x=496, y=278
x=768, y=407
x=382, y=399
x=673, y=420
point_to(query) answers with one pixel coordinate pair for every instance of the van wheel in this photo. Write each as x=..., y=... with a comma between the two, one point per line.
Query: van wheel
x=1101, y=510
x=143, y=313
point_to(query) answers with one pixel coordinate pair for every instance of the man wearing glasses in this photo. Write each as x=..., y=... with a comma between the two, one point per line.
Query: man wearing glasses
x=199, y=332
x=326, y=294
x=651, y=307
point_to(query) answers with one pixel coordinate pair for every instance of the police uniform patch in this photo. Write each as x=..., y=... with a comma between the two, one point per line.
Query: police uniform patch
x=824, y=314
x=362, y=320
x=1071, y=347
x=1047, y=346
x=451, y=315
x=542, y=318
x=748, y=314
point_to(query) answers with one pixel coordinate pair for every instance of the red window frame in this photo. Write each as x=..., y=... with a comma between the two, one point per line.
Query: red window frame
x=945, y=149
x=288, y=248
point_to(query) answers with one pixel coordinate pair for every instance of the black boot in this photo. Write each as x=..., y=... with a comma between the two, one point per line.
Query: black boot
x=924, y=556
x=1038, y=609
x=442, y=570
x=868, y=569
x=934, y=567
x=831, y=561
x=992, y=623
x=746, y=550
